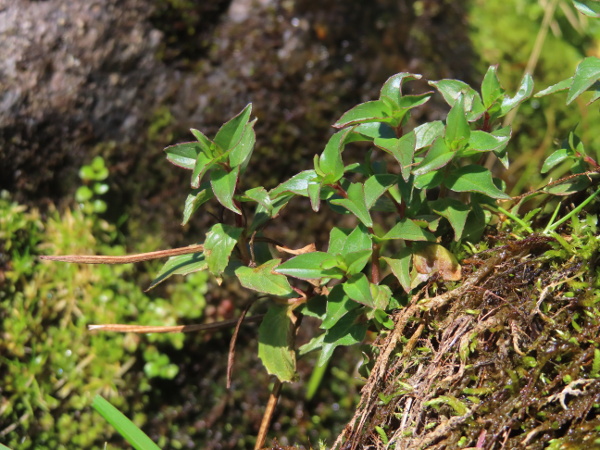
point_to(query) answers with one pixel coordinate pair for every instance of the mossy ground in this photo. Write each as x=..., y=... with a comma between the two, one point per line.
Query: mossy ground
x=510, y=358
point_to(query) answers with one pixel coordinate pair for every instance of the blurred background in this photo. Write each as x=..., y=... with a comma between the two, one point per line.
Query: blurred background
x=90, y=94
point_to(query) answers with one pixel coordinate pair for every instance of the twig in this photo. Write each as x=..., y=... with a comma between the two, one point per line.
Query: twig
x=171, y=329
x=125, y=259
x=268, y=415
x=231, y=355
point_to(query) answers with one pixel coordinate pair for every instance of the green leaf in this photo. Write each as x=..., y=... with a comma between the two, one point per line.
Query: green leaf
x=276, y=341
x=345, y=332
x=523, y=93
x=590, y=8
x=372, y=130
x=376, y=186
x=203, y=164
x=491, y=90
x=356, y=203
x=373, y=111
x=392, y=88
x=428, y=132
x=180, y=265
x=358, y=240
x=260, y=196
x=338, y=305
x=126, y=428
x=195, y=199
x=487, y=142
x=454, y=211
x=314, y=195
x=330, y=162
x=310, y=266
x=358, y=289
x=223, y=184
x=452, y=89
x=560, y=86
x=402, y=149
x=264, y=279
x=231, y=132
x=183, y=155
x=240, y=154
x=298, y=184
x=474, y=178
x=220, y=242
x=400, y=266
x=586, y=74
x=457, y=126
x=439, y=155
x=337, y=240
x=555, y=158
x=408, y=230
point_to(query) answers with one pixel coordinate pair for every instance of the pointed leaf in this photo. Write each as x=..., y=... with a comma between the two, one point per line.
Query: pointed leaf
x=356, y=203
x=276, y=343
x=338, y=305
x=358, y=289
x=310, y=266
x=487, y=142
x=298, y=184
x=555, y=158
x=560, y=86
x=590, y=8
x=220, y=242
x=457, y=126
x=223, y=184
x=347, y=331
x=586, y=74
x=180, y=265
x=400, y=266
x=454, y=211
x=474, y=178
x=264, y=279
x=195, y=199
x=408, y=230
x=231, y=132
x=373, y=111
x=491, y=90
x=402, y=149
x=392, y=88
x=337, y=240
x=314, y=195
x=376, y=186
x=183, y=155
x=240, y=154
x=452, y=89
x=428, y=132
x=330, y=162
x=202, y=165
x=372, y=130
x=439, y=155
x=523, y=93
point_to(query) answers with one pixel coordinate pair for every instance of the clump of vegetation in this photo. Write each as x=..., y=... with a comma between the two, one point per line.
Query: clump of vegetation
x=52, y=366
x=382, y=270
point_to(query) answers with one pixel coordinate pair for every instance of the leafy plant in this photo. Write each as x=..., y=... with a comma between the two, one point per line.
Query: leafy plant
x=429, y=179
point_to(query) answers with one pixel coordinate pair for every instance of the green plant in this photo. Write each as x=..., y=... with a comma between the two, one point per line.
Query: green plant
x=93, y=175
x=428, y=179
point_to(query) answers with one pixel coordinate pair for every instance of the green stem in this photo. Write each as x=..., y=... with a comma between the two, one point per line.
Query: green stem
x=549, y=228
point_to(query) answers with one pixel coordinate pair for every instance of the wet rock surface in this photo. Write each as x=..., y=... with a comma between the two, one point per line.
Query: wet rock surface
x=86, y=78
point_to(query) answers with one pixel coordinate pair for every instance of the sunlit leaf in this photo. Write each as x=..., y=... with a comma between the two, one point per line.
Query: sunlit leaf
x=400, y=266
x=586, y=74
x=231, y=132
x=474, y=178
x=523, y=93
x=220, y=242
x=223, y=184
x=373, y=111
x=180, y=265
x=309, y=266
x=195, y=199
x=356, y=203
x=264, y=279
x=407, y=229
x=338, y=305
